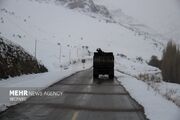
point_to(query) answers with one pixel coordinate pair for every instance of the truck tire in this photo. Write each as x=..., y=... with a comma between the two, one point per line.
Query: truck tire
x=111, y=75
x=95, y=75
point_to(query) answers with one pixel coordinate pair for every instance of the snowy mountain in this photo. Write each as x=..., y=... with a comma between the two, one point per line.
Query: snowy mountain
x=161, y=15
x=113, y=16
x=86, y=6
x=74, y=24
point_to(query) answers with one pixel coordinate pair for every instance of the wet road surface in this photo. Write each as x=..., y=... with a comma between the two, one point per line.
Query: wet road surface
x=82, y=99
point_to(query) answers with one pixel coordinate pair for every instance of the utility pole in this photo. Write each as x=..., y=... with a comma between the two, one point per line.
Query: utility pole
x=35, y=48
x=70, y=54
x=59, y=53
x=77, y=53
x=83, y=51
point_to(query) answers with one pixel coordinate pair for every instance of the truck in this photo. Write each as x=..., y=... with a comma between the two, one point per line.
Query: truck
x=103, y=64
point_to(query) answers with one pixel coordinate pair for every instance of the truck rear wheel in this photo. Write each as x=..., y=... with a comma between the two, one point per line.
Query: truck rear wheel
x=95, y=75
x=111, y=75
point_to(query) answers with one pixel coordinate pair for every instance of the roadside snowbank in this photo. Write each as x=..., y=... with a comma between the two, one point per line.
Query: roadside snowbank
x=40, y=81
x=157, y=97
x=170, y=91
x=140, y=70
x=155, y=106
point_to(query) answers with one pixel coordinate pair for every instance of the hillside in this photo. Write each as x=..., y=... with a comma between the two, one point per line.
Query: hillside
x=15, y=61
x=51, y=22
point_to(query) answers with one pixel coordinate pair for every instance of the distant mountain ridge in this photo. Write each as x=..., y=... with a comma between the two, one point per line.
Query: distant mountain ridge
x=88, y=6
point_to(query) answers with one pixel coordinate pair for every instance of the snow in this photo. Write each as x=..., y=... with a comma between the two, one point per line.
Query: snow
x=134, y=67
x=157, y=97
x=161, y=15
x=68, y=27
x=156, y=107
x=170, y=91
x=39, y=81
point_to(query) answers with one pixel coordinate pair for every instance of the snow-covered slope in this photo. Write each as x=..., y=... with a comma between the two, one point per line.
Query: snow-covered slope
x=161, y=15
x=15, y=61
x=49, y=22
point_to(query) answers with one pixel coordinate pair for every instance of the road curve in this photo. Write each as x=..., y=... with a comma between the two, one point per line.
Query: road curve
x=82, y=99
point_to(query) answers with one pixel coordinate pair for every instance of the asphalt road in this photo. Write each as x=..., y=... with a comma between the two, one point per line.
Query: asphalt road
x=82, y=99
